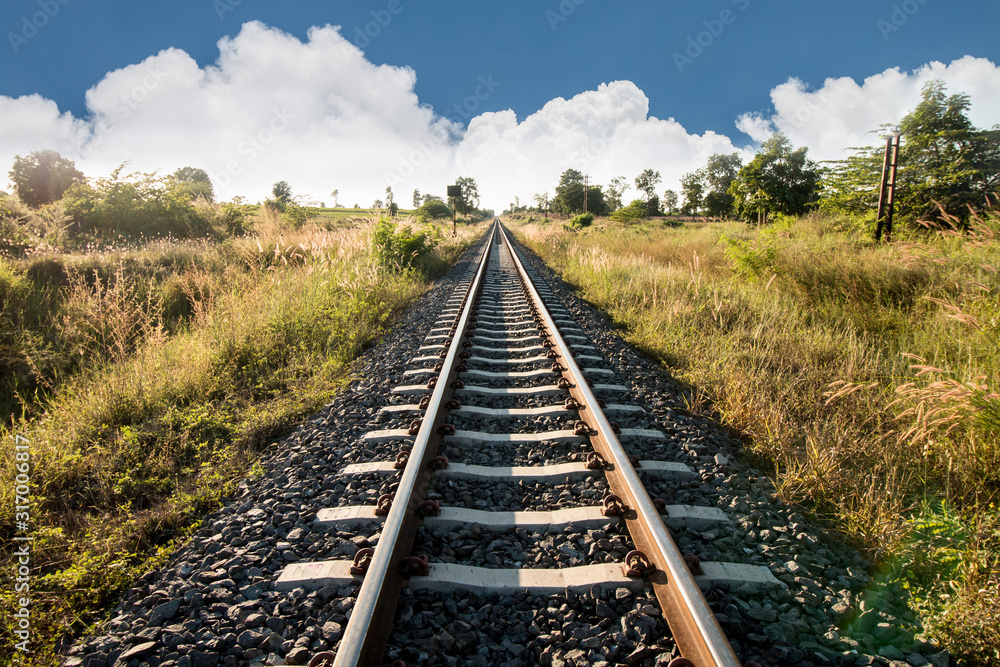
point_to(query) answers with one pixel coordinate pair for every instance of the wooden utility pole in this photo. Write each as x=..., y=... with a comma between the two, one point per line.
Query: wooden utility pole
x=586, y=190
x=887, y=191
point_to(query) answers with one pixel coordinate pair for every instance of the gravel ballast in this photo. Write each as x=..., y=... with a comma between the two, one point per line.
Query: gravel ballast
x=214, y=603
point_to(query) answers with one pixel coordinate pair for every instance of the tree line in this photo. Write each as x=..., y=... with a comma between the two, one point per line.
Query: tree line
x=946, y=166
x=180, y=205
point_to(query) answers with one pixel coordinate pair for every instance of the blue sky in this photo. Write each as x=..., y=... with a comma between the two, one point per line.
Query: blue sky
x=703, y=63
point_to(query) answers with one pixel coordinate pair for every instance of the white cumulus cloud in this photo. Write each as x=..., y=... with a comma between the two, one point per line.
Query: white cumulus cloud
x=321, y=116
x=318, y=114
x=842, y=113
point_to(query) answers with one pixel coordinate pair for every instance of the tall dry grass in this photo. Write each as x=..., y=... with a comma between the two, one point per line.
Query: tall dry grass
x=866, y=375
x=196, y=356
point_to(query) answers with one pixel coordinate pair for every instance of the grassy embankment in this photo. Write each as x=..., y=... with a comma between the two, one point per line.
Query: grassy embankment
x=146, y=380
x=866, y=375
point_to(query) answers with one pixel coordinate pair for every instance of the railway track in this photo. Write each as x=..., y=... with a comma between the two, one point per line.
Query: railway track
x=524, y=566
x=507, y=393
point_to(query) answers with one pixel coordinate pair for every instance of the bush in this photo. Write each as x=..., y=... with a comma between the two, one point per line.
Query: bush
x=631, y=213
x=582, y=220
x=400, y=247
x=133, y=206
x=433, y=209
x=296, y=215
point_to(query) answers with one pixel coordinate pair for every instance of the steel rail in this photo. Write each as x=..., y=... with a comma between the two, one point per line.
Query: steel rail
x=695, y=628
x=363, y=642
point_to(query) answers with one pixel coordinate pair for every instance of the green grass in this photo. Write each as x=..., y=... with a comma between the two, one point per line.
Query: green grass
x=165, y=414
x=866, y=376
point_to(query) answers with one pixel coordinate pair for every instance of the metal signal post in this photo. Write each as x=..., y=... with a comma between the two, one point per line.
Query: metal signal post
x=454, y=193
x=887, y=192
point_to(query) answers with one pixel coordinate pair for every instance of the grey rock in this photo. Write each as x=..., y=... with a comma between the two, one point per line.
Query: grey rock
x=331, y=631
x=249, y=639
x=137, y=652
x=164, y=612
x=891, y=652
x=299, y=655
x=916, y=660
x=203, y=659
x=762, y=614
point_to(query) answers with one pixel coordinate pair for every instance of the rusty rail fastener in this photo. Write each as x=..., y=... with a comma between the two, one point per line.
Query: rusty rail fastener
x=636, y=564
x=429, y=508
x=401, y=460
x=595, y=461
x=415, y=426
x=438, y=463
x=613, y=505
x=384, y=505
x=324, y=659
x=362, y=559
x=415, y=566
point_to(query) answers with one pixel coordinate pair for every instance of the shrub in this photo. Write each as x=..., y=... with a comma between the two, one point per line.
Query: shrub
x=582, y=220
x=296, y=215
x=401, y=247
x=134, y=205
x=433, y=209
x=631, y=213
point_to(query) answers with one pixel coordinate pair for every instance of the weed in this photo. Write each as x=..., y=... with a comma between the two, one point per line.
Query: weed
x=865, y=374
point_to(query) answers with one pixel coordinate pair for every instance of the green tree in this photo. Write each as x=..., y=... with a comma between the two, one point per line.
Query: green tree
x=133, y=205
x=469, y=201
x=779, y=179
x=433, y=209
x=670, y=201
x=42, y=177
x=653, y=206
x=192, y=183
x=693, y=189
x=282, y=192
x=719, y=173
x=850, y=186
x=631, y=213
x=596, y=202
x=569, y=193
x=646, y=183
x=943, y=160
x=616, y=188
x=416, y=198
x=336, y=198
